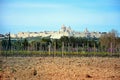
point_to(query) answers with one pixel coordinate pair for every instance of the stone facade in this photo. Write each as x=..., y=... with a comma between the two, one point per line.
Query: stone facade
x=64, y=31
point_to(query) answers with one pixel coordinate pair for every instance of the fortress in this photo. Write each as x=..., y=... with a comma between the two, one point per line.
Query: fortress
x=64, y=31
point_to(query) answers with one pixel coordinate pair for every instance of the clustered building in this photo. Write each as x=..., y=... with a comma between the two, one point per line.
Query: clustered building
x=64, y=31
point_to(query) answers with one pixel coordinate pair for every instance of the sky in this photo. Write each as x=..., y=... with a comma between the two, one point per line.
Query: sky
x=49, y=15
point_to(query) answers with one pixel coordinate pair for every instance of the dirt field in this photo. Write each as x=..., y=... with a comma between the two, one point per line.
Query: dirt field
x=57, y=68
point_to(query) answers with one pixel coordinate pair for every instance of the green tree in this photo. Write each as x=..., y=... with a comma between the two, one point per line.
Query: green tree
x=25, y=44
x=9, y=42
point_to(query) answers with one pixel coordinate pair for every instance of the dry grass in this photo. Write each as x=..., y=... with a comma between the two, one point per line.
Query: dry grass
x=57, y=68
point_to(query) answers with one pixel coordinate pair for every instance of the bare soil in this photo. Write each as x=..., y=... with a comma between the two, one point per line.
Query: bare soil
x=57, y=68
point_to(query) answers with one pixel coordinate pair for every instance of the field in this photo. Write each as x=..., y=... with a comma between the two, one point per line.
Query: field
x=59, y=68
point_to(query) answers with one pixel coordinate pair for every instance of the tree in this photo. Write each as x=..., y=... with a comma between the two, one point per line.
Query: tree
x=45, y=42
x=9, y=42
x=17, y=45
x=118, y=44
x=25, y=44
x=109, y=40
x=4, y=44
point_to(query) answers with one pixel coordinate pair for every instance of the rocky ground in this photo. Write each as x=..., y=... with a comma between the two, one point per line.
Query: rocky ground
x=57, y=68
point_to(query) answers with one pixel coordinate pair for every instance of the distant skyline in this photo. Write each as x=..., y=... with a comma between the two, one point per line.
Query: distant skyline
x=49, y=15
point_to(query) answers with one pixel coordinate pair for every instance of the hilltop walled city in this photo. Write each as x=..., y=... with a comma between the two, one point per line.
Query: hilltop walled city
x=64, y=31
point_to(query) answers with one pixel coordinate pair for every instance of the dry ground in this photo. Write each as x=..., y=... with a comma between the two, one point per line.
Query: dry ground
x=57, y=68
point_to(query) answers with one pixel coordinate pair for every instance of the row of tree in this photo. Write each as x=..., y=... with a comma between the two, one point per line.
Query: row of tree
x=109, y=42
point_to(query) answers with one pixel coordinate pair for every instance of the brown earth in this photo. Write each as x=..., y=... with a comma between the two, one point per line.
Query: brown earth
x=57, y=68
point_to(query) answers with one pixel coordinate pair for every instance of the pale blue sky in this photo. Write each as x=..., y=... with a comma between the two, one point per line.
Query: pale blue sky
x=41, y=15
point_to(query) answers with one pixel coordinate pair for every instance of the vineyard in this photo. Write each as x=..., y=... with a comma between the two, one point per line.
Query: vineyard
x=106, y=45
x=67, y=58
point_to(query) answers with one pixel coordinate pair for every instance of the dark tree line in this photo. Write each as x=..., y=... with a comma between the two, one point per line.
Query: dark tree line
x=109, y=42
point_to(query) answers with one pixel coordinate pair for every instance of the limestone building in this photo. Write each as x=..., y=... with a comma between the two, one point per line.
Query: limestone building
x=64, y=31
